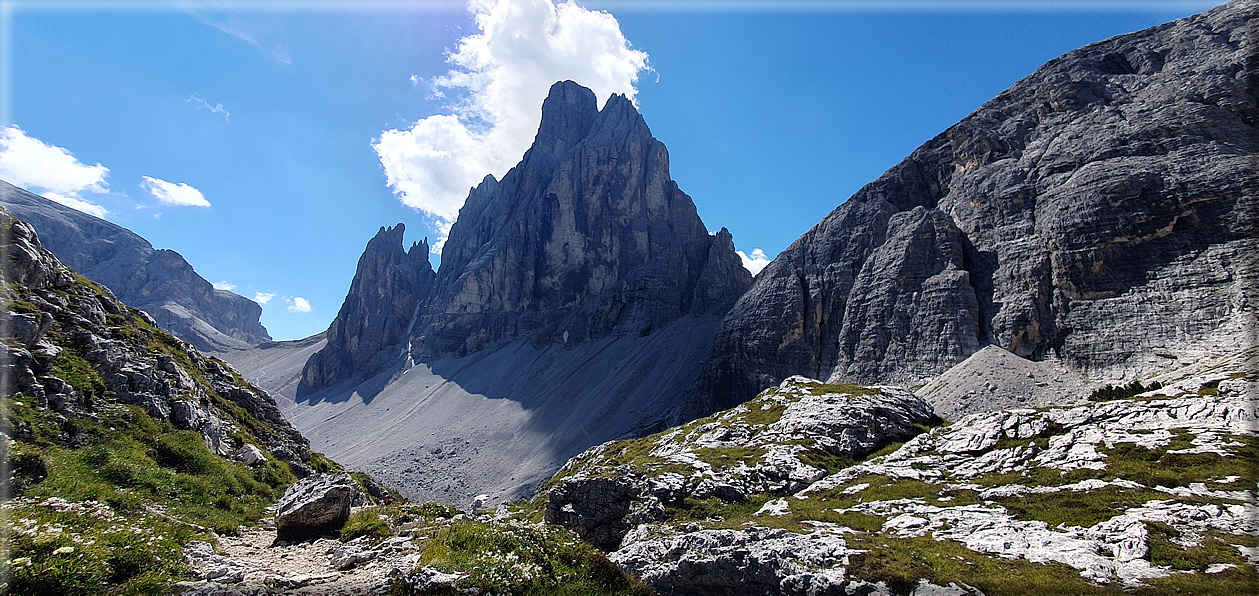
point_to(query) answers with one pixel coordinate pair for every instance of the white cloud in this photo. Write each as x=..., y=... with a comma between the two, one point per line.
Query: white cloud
x=50, y=170
x=500, y=77
x=224, y=285
x=263, y=297
x=77, y=203
x=298, y=304
x=753, y=263
x=217, y=108
x=174, y=194
x=278, y=53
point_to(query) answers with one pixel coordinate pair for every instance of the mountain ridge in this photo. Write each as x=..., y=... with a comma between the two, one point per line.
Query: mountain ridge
x=157, y=281
x=1113, y=176
x=563, y=285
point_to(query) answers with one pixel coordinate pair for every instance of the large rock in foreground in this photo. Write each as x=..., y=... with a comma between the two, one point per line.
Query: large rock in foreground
x=314, y=506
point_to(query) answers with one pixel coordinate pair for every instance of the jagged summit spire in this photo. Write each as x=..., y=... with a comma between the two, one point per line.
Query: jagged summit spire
x=567, y=114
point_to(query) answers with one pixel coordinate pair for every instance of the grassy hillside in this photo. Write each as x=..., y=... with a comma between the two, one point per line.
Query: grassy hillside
x=109, y=425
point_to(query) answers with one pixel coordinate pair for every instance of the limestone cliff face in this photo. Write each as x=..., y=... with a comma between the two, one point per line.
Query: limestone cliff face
x=1099, y=211
x=372, y=325
x=159, y=282
x=587, y=237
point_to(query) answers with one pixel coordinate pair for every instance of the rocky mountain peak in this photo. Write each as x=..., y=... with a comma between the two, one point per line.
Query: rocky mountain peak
x=388, y=286
x=587, y=237
x=567, y=113
x=1097, y=213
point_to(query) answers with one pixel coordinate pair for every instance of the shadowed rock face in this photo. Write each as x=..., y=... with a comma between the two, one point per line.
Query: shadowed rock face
x=157, y=281
x=377, y=313
x=587, y=238
x=1098, y=211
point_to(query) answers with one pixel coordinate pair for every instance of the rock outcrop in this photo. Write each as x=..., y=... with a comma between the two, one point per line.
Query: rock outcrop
x=587, y=237
x=157, y=281
x=376, y=317
x=779, y=443
x=314, y=506
x=1158, y=490
x=75, y=349
x=1098, y=211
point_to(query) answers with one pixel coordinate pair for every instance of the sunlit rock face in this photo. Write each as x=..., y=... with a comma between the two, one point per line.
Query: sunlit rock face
x=157, y=281
x=1100, y=212
x=373, y=323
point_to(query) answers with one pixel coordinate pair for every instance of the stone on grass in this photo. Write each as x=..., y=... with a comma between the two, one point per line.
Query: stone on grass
x=314, y=506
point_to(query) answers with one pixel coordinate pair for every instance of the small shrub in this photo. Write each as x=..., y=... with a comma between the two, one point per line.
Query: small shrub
x=1109, y=392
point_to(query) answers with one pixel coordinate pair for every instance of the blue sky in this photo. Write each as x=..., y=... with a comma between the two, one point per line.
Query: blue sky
x=265, y=140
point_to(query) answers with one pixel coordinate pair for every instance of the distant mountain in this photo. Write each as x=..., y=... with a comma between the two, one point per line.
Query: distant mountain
x=157, y=281
x=1100, y=212
x=577, y=297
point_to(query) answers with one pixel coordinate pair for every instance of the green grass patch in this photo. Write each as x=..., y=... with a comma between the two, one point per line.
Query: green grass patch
x=719, y=457
x=1154, y=467
x=73, y=552
x=762, y=413
x=525, y=560
x=881, y=488
x=1231, y=582
x=1214, y=548
x=720, y=513
x=21, y=306
x=902, y=562
x=79, y=373
x=366, y=522
x=127, y=459
x=1081, y=508
x=825, y=460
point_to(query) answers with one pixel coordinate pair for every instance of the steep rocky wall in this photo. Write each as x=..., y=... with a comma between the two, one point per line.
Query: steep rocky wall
x=378, y=311
x=157, y=281
x=1099, y=210
x=587, y=237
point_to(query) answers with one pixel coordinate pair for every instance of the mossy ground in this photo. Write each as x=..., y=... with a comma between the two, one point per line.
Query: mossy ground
x=152, y=486
x=525, y=560
x=161, y=483
x=901, y=562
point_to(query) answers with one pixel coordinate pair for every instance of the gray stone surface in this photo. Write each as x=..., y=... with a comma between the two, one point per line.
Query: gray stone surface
x=601, y=496
x=370, y=330
x=1098, y=211
x=314, y=506
x=157, y=281
x=588, y=236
